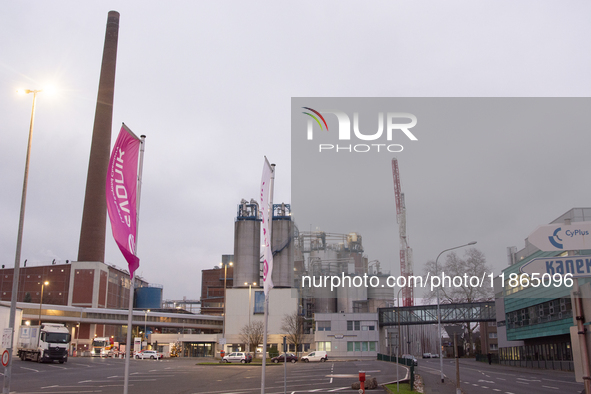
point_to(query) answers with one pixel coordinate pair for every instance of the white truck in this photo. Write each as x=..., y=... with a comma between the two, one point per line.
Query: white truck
x=47, y=342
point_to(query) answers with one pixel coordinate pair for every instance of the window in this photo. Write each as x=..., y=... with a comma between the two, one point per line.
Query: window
x=357, y=325
x=364, y=346
x=372, y=346
x=350, y=346
x=354, y=325
x=323, y=346
x=259, y=302
x=492, y=323
x=357, y=346
x=494, y=346
x=322, y=326
x=492, y=334
x=349, y=325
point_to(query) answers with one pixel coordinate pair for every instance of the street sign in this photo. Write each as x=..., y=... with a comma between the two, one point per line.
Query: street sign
x=578, y=266
x=5, y=358
x=7, y=338
x=561, y=237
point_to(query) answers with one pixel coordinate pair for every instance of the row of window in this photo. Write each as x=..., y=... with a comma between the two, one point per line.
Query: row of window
x=552, y=310
x=352, y=325
x=551, y=351
x=356, y=325
x=361, y=346
x=352, y=346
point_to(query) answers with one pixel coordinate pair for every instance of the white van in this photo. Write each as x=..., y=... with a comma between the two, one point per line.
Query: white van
x=318, y=355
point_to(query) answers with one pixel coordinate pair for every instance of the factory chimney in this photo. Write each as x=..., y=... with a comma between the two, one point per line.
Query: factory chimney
x=94, y=215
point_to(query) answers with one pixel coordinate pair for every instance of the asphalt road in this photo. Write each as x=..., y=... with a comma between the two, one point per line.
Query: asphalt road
x=478, y=377
x=96, y=375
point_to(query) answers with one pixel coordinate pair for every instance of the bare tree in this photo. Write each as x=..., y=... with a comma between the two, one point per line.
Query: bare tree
x=472, y=265
x=252, y=334
x=293, y=326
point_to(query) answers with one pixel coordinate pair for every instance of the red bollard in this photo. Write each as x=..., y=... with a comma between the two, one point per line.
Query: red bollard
x=362, y=382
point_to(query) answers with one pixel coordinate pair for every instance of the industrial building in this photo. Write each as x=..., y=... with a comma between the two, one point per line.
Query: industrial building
x=325, y=312
x=533, y=322
x=79, y=284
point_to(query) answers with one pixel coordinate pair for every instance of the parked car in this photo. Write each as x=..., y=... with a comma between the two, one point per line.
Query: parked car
x=426, y=355
x=237, y=357
x=434, y=355
x=318, y=355
x=151, y=354
x=411, y=357
x=281, y=358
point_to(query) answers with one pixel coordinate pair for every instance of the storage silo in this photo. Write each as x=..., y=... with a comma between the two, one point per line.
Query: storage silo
x=325, y=300
x=380, y=296
x=148, y=297
x=282, y=243
x=347, y=295
x=247, y=244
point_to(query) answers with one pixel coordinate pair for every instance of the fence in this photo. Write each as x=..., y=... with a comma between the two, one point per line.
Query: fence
x=400, y=360
x=539, y=364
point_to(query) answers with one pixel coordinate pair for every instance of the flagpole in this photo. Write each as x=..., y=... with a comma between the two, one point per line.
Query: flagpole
x=270, y=221
x=130, y=310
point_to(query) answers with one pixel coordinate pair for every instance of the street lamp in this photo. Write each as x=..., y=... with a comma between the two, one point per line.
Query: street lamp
x=19, y=241
x=41, y=301
x=439, y=311
x=145, y=324
x=225, y=276
x=249, y=312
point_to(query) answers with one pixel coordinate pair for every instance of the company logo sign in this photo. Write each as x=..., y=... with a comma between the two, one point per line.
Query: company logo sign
x=397, y=125
x=554, y=237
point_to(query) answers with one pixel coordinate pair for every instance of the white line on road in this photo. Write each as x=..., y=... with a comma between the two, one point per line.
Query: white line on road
x=30, y=369
x=550, y=387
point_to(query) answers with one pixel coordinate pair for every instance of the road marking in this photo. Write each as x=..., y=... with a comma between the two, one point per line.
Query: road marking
x=517, y=381
x=340, y=388
x=49, y=387
x=30, y=369
x=496, y=390
x=529, y=380
x=485, y=381
x=484, y=387
x=550, y=387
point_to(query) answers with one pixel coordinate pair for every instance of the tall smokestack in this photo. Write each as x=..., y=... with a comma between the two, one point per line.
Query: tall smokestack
x=94, y=216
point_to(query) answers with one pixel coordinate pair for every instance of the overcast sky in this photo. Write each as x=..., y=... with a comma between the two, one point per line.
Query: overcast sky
x=210, y=85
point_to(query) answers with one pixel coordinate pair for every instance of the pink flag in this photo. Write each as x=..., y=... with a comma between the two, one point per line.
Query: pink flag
x=121, y=194
x=267, y=253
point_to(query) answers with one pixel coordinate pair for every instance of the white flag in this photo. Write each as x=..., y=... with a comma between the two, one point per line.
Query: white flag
x=265, y=214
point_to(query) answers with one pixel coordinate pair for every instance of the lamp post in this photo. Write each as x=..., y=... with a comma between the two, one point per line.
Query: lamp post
x=145, y=325
x=225, y=277
x=19, y=241
x=399, y=340
x=249, y=313
x=41, y=301
x=439, y=311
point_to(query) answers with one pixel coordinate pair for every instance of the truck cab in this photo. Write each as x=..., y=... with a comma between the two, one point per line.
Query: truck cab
x=47, y=342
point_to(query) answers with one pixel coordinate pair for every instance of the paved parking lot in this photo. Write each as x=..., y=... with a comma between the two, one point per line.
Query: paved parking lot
x=96, y=375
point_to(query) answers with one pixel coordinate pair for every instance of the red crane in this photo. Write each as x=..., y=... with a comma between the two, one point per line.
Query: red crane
x=406, y=266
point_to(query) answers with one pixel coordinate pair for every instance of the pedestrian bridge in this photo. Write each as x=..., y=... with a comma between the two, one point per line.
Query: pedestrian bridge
x=427, y=314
